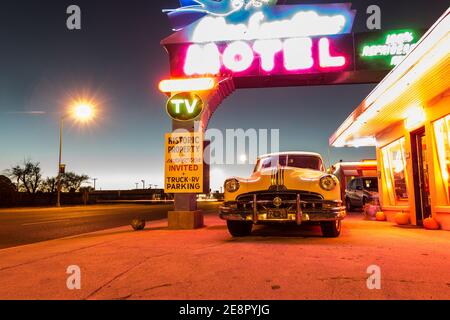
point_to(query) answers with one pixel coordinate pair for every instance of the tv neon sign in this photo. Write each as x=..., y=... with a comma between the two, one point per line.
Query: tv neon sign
x=184, y=106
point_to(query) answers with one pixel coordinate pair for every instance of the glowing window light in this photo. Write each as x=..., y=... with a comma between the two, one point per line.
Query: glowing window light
x=267, y=50
x=442, y=134
x=298, y=54
x=301, y=24
x=387, y=176
x=326, y=60
x=414, y=117
x=238, y=56
x=187, y=85
x=396, y=170
x=202, y=59
x=398, y=163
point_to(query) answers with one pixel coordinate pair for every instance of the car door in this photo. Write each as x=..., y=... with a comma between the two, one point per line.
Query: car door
x=359, y=192
x=350, y=192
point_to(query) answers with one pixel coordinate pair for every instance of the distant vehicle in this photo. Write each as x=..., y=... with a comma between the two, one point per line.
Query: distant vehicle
x=361, y=191
x=346, y=171
x=288, y=187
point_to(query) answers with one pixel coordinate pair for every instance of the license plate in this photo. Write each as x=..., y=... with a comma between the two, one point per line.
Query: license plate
x=277, y=214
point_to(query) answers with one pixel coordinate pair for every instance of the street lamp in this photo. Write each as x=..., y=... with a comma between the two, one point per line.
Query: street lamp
x=81, y=111
x=95, y=183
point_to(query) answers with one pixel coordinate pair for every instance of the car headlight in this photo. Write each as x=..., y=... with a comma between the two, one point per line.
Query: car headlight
x=232, y=185
x=328, y=183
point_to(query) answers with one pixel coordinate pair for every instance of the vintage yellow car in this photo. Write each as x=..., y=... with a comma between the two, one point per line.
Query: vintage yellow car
x=288, y=187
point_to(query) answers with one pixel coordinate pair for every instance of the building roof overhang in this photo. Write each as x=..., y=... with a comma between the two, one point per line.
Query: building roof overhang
x=401, y=95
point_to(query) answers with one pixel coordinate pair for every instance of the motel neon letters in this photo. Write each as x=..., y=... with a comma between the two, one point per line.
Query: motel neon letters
x=294, y=55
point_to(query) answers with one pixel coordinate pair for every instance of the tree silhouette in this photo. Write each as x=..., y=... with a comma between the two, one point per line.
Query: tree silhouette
x=27, y=176
x=49, y=185
x=71, y=182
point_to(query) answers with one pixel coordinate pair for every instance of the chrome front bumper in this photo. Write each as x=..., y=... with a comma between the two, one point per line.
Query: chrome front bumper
x=318, y=211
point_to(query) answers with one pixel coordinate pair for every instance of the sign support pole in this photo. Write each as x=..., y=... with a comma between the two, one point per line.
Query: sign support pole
x=186, y=214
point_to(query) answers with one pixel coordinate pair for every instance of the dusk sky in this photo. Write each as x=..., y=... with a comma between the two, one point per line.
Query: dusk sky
x=117, y=58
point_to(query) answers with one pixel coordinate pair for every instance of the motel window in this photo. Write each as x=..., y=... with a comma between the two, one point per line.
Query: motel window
x=395, y=171
x=442, y=132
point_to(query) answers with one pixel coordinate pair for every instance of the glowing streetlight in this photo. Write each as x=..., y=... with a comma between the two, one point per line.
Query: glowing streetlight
x=82, y=111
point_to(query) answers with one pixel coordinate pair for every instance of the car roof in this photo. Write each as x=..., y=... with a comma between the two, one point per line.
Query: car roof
x=302, y=153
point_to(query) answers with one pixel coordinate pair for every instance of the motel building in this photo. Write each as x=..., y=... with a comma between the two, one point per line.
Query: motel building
x=407, y=118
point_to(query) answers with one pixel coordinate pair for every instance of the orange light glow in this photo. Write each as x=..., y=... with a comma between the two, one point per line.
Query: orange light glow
x=187, y=85
x=414, y=117
x=363, y=142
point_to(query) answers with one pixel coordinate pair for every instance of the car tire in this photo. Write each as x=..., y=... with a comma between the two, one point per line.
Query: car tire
x=331, y=229
x=239, y=228
x=365, y=201
x=348, y=205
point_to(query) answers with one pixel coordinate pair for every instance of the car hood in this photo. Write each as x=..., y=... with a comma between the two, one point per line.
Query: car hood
x=372, y=194
x=296, y=179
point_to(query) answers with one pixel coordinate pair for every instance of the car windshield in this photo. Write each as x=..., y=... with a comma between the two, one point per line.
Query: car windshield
x=370, y=184
x=292, y=160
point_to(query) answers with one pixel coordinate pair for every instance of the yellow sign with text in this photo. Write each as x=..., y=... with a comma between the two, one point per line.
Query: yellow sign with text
x=184, y=163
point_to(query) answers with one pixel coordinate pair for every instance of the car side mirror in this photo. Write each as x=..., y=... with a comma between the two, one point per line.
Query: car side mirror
x=359, y=188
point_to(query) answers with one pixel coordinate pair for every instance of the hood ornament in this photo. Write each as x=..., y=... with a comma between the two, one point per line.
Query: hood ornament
x=277, y=202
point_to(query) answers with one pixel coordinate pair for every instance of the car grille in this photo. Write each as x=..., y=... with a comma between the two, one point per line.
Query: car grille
x=309, y=200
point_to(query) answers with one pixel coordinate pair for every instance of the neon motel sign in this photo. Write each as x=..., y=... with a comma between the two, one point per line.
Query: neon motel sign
x=295, y=54
x=269, y=40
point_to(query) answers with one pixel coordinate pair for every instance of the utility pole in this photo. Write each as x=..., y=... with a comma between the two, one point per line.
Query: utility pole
x=95, y=180
x=137, y=185
x=58, y=182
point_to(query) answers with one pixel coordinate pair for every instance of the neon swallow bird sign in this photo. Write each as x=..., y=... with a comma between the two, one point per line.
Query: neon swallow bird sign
x=192, y=10
x=220, y=8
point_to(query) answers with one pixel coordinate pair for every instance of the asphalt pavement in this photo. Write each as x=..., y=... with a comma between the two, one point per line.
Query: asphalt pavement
x=20, y=226
x=370, y=260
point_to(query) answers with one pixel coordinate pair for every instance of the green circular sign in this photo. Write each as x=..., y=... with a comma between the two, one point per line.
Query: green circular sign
x=184, y=106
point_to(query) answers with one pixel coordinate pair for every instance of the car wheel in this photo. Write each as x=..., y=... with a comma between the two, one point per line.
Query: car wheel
x=331, y=229
x=365, y=201
x=348, y=205
x=239, y=228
